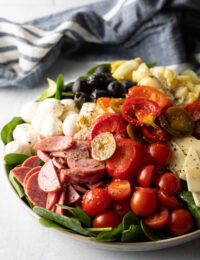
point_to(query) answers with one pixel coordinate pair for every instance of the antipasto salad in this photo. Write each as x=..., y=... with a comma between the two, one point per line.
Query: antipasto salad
x=113, y=155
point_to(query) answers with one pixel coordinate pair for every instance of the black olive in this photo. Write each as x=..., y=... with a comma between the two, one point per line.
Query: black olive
x=97, y=93
x=98, y=81
x=102, y=69
x=115, y=88
x=80, y=85
x=128, y=84
x=68, y=87
x=80, y=98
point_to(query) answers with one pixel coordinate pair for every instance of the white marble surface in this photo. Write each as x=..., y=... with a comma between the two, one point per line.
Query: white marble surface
x=21, y=236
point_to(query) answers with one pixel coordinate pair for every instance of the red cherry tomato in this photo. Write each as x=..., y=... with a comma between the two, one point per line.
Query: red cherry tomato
x=170, y=183
x=95, y=201
x=160, y=153
x=158, y=219
x=144, y=202
x=168, y=201
x=194, y=110
x=180, y=222
x=144, y=176
x=119, y=189
x=155, y=134
x=135, y=110
x=121, y=207
x=106, y=219
x=129, y=157
x=154, y=190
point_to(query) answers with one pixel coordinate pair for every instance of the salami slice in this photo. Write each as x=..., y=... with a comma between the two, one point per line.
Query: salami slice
x=80, y=150
x=59, y=163
x=72, y=195
x=52, y=199
x=32, y=162
x=54, y=144
x=48, y=179
x=43, y=156
x=61, y=201
x=89, y=166
x=29, y=173
x=37, y=196
x=20, y=173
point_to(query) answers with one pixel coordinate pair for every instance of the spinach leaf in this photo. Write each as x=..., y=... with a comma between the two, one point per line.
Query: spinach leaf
x=133, y=234
x=152, y=234
x=78, y=213
x=50, y=91
x=92, y=70
x=7, y=131
x=68, y=222
x=190, y=73
x=129, y=219
x=109, y=236
x=13, y=159
x=16, y=185
x=50, y=224
x=187, y=197
x=150, y=64
x=59, y=87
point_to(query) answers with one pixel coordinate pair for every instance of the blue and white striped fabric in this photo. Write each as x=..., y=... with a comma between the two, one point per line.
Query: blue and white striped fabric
x=166, y=31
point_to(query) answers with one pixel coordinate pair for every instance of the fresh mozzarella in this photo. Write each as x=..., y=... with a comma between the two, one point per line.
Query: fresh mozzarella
x=71, y=125
x=87, y=114
x=69, y=108
x=20, y=130
x=51, y=126
x=37, y=121
x=31, y=137
x=196, y=197
x=28, y=111
x=51, y=106
x=18, y=147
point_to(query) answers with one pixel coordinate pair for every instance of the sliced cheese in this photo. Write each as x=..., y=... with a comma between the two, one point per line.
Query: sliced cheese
x=193, y=178
x=185, y=142
x=178, y=157
x=196, y=196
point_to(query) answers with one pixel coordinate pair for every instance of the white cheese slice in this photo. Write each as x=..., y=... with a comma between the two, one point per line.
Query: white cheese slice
x=185, y=142
x=193, y=179
x=196, y=196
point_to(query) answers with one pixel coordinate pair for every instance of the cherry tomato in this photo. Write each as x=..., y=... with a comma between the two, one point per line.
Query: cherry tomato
x=144, y=176
x=155, y=134
x=121, y=207
x=95, y=201
x=136, y=110
x=106, y=219
x=159, y=219
x=129, y=157
x=170, y=183
x=180, y=222
x=168, y=201
x=149, y=93
x=194, y=110
x=119, y=189
x=144, y=202
x=160, y=153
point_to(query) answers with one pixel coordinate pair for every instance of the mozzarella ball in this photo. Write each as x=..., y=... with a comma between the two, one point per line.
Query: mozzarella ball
x=37, y=121
x=51, y=126
x=71, y=125
x=69, y=108
x=20, y=130
x=51, y=106
x=31, y=137
x=18, y=147
x=28, y=111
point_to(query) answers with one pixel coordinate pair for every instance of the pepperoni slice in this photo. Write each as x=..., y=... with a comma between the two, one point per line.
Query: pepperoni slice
x=20, y=173
x=43, y=156
x=52, y=199
x=32, y=162
x=54, y=144
x=37, y=196
x=72, y=195
x=48, y=179
x=61, y=201
x=29, y=173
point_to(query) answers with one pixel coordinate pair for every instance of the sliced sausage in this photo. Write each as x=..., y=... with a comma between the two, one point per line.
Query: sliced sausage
x=20, y=173
x=96, y=185
x=89, y=166
x=54, y=144
x=48, y=179
x=29, y=173
x=61, y=201
x=80, y=150
x=62, y=177
x=37, y=196
x=79, y=188
x=32, y=162
x=52, y=199
x=43, y=156
x=72, y=195
x=59, y=163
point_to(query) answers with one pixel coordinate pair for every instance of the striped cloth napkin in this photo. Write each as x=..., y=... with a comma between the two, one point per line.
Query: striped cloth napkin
x=165, y=31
